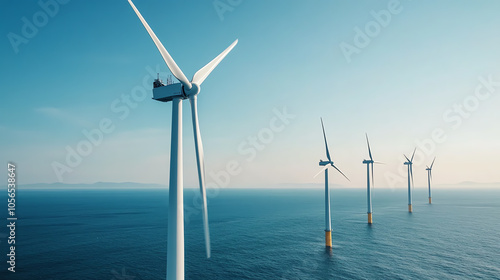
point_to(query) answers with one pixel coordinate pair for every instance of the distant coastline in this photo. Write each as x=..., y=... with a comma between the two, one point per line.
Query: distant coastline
x=134, y=185
x=91, y=186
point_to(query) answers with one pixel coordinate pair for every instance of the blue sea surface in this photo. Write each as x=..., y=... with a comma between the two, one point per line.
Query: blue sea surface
x=256, y=234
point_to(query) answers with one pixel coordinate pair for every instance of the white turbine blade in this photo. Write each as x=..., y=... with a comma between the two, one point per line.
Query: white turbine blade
x=322, y=169
x=432, y=162
x=176, y=71
x=369, y=150
x=340, y=172
x=378, y=162
x=407, y=158
x=326, y=143
x=413, y=155
x=203, y=73
x=201, y=170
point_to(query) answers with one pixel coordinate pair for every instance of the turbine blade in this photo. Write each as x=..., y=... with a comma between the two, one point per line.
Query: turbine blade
x=430, y=174
x=201, y=170
x=369, y=150
x=432, y=162
x=176, y=71
x=407, y=158
x=326, y=143
x=203, y=73
x=413, y=154
x=322, y=169
x=378, y=162
x=340, y=172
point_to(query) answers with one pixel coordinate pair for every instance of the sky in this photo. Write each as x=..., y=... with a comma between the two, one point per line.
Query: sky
x=77, y=78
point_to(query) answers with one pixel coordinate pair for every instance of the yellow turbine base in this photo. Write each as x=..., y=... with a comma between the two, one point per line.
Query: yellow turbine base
x=328, y=238
x=410, y=208
x=430, y=200
x=370, y=220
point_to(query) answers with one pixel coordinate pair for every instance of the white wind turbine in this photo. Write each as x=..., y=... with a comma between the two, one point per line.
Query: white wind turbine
x=368, y=188
x=326, y=164
x=409, y=163
x=429, y=177
x=176, y=93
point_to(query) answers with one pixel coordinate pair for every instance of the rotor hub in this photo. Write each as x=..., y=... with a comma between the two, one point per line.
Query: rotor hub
x=194, y=90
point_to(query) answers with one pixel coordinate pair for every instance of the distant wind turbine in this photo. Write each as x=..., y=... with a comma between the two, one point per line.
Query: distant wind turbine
x=176, y=93
x=368, y=188
x=429, y=177
x=409, y=163
x=326, y=164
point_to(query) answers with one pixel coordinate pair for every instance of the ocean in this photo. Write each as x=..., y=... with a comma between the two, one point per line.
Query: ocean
x=256, y=234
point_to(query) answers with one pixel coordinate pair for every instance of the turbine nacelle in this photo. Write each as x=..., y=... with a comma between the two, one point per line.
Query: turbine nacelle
x=166, y=93
x=368, y=161
x=323, y=163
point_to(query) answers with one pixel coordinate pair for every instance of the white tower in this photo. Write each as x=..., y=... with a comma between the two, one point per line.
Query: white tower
x=177, y=92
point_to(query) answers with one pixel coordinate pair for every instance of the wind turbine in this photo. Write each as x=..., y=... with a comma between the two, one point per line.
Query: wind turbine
x=409, y=163
x=368, y=189
x=326, y=164
x=429, y=177
x=176, y=93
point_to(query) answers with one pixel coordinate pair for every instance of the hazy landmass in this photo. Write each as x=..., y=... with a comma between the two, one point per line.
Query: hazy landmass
x=93, y=186
x=133, y=185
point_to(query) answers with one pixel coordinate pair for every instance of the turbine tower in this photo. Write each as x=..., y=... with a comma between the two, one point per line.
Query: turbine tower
x=429, y=177
x=177, y=92
x=409, y=163
x=326, y=164
x=369, y=163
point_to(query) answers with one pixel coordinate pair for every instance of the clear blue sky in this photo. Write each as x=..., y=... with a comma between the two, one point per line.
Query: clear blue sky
x=77, y=66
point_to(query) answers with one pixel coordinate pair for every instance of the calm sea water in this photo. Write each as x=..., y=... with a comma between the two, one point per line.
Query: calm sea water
x=257, y=234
